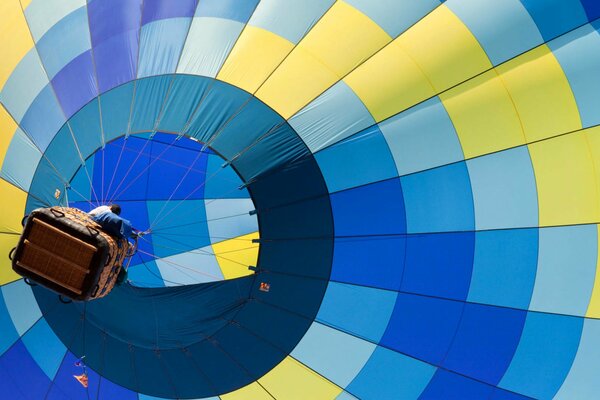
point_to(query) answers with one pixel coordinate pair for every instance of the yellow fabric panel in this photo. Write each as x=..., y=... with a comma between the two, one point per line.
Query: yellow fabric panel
x=15, y=39
x=7, y=242
x=445, y=49
x=483, y=115
x=255, y=55
x=233, y=252
x=253, y=391
x=341, y=40
x=13, y=207
x=389, y=82
x=7, y=129
x=541, y=93
x=566, y=185
x=291, y=380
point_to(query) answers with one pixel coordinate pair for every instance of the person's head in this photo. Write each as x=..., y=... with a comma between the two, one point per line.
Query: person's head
x=115, y=208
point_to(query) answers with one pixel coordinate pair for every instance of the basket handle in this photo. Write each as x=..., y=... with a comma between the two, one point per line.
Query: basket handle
x=56, y=212
x=11, y=253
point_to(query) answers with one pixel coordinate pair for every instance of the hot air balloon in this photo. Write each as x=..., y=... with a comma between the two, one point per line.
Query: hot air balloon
x=350, y=199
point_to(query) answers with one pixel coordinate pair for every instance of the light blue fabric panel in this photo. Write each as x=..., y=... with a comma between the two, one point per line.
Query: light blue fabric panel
x=116, y=107
x=582, y=381
x=345, y=396
x=150, y=96
x=14, y=170
x=208, y=44
x=161, y=45
x=333, y=116
x=86, y=129
x=334, y=354
x=359, y=310
x=65, y=41
x=188, y=268
x=578, y=53
x=80, y=189
x=229, y=218
x=45, y=347
x=504, y=190
x=503, y=28
x=291, y=19
x=358, y=160
x=25, y=83
x=395, y=16
x=44, y=14
x=544, y=355
x=44, y=118
x=422, y=137
x=391, y=375
x=566, y=269
x=439, y=200
x=224, y=185
x=21, y=305
x=9, y=332
x=504, y=267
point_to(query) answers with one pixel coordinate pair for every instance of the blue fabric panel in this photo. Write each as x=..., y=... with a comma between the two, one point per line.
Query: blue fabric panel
x=321, y=124
x=395, y=16
x=290, y=20
x=375, y=209
x=116, y=106
x=503, y=28
x=439, y=264
x=23, y=85
x=21, y=305
x=371, y=261
x=42, y=15
x=504, y=267
x=555, y=17
x=422, y=137
x=190, y=214
x=110, y=391
x=358, y=160
x=43, y=186
x=500, y=394
x=144, y=273
x=176, y=173
x=578, y=53
x=221, y=103
x=450, y=386
x=485, y=342
x=333, y=354
x=544, y=356
x=504, y=190
x=24, y=372
x=43, y=118
x=423, y=327
x=8, y=388
x=9, y=332
x=237, y=10
x=112, y=17
x=75, y=84
x=225, y=184
x=64, y=383
x=184, y=96
x=155, y=10
x=150, y=95
x=45, y=348
x=13, y=169
x=592, y=9
x=63, y=153
x=161, y=44
x=439, y=200
x=86, y=129
x=362, y=311
x=396, y=377
x=65, y=41
x=81, y=190
x=566, y=268
x=116, y=60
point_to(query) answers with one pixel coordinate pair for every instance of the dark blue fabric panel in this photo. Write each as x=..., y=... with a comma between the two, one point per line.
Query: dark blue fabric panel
x=24, y=372
x=111, y=17
x=369, y=261
x=555, y=17
x=439, y=264
x=111, y=391
x=153, y=374
x=485, y=342
x=449, y=386
x=8, y=387
x=115, y=363
x=423, y=327
x=310, y=257
x=116, y=59
x=375, y=209
x=116, y=106
x=75, y=84
x=500, y=394
x=592, y=9
x=220, y=104
x=184, y=96
x=309, y=219
x=155, y=10
x=180, y=378
x=65, y=384
x=238, y=10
